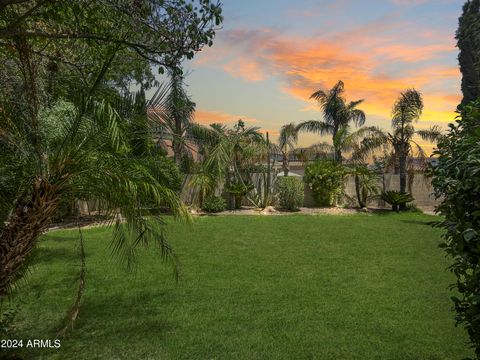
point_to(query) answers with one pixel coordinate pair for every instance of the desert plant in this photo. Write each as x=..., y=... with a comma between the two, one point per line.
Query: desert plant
x=456, y=180
x=397, y=199
x=214, y=204
x=326, y=179
x=290, y=192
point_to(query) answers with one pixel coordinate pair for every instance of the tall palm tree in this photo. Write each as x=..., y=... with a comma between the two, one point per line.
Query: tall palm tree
x=337, y=114
x=286, y=142
x=406, y=111
x=406, y=155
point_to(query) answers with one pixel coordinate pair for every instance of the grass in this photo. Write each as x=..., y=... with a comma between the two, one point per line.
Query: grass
x=279, y=287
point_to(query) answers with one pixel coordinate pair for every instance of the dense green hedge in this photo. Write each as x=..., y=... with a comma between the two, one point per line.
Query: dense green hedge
x=290, y=192
x=214, y=204
x=326, y=179
x=457, y=181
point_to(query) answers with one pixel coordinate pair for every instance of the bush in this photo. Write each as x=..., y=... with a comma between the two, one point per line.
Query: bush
x=239, y=190
x=214, y=204
x=290, y=192
x=456, y=180
x=326, y=179
x=396, y=199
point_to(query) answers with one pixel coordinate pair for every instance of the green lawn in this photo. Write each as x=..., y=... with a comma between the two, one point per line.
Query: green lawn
x=278, y=287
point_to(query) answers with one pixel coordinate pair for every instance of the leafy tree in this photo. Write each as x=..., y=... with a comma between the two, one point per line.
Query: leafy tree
x=456, y=180
x=62, y=64
x=286, y=142
x=337, y=114
x=468, y=41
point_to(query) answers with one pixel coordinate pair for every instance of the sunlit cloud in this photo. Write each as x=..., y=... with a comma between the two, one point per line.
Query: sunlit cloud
x=243, y=68
x=377, y=72
x=206, y=117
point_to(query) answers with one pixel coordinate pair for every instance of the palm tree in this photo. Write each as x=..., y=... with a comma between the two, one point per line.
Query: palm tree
x=286, y=142
x=228, y=153
x=407, y=111
x=337, y=114
x=359, y=143
x=172, y=110
x=406, y=155
x=85, y=154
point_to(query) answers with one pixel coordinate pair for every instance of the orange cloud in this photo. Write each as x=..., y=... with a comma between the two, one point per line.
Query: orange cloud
x=206, y=117
x=307, y=64
x=245, y=69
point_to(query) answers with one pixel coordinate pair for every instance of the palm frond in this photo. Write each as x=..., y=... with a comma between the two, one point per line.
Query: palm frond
x=433, y=134
x=315, y=126
x=408, y=108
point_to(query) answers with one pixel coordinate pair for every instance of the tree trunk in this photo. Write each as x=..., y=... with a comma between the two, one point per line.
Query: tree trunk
x=25, y=224
x=361, y=203
x=403, y=175
x=176, y=143
x=285, y=163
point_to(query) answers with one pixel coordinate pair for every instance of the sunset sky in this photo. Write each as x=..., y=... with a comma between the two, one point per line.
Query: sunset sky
x=270, y=55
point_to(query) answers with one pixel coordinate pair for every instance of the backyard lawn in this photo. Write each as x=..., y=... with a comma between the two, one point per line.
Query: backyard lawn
x=251, y=287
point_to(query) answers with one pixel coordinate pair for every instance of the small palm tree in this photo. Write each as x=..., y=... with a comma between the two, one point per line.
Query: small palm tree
x=229, y=152
x=172, y=111
x=337, y=114
x=286, y=142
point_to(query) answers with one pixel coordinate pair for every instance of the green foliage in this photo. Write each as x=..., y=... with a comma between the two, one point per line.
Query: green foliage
x=8, y=327
x=239, y=190
x=366, y=184
x=214, y=204
x=326, y=179
x=338, y=114
x=290, y=192
x=396, y=199
x=468, y=41
x=457, y=182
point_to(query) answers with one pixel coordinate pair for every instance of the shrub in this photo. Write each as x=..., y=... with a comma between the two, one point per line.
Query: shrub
x=366, y=184
x=396, y=199
x=456, y=180
x=326, y=179
x=290, y=192
x=214, y=204
x=239, y=190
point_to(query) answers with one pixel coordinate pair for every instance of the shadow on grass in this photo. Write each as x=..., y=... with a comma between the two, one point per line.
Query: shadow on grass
x=111, y=318
x=49, y=255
